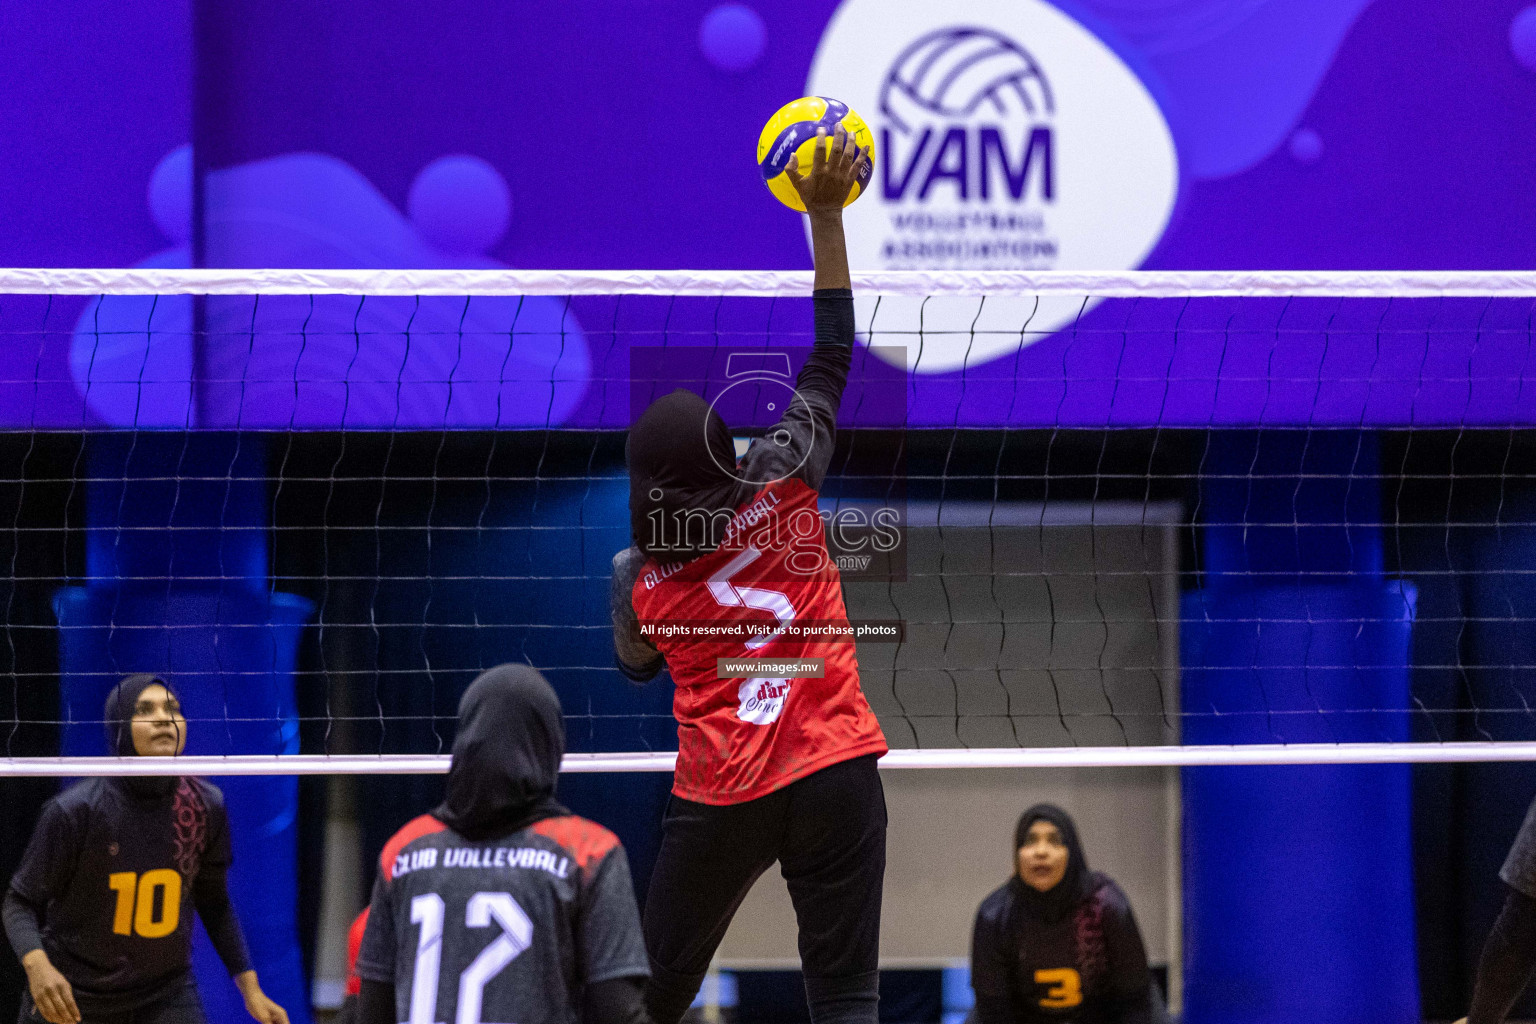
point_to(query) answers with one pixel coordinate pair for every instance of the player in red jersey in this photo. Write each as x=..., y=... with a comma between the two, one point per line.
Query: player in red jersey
x=348, y=1012
x=730, y=562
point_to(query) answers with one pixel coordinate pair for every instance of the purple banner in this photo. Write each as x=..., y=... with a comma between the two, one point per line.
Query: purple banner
x=530, y=138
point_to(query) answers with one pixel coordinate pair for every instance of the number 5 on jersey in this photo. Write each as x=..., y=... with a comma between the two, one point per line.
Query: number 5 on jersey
x=483, y=908
x=761, y=698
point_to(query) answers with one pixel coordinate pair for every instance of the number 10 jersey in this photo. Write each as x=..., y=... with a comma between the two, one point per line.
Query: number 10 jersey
x=502, y=931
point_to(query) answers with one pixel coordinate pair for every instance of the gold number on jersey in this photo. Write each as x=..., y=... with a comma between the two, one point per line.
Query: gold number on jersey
x=1066, y=988
x=134, y=913
x=123, y=883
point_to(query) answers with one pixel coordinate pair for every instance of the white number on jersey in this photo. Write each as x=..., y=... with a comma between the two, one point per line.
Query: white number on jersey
x=483, y=908
x=761, y=699
x=728, y=595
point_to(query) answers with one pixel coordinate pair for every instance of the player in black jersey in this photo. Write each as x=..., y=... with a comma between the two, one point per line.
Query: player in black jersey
x=100, y=910
x=501, y=905
x=1058, y=942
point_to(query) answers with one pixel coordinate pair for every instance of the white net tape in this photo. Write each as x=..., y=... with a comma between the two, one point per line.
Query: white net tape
x=769, y=283
x=661, y=761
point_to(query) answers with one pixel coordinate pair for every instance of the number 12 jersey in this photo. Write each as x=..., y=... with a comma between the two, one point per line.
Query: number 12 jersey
x=501, y=931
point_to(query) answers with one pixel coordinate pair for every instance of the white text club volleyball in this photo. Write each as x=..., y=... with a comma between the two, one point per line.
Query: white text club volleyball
x=1009, y=138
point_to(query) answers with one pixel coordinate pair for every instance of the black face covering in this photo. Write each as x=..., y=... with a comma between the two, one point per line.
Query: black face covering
x=506, y=755
x=117, y=718
x=1075, y=885
x=680, y=459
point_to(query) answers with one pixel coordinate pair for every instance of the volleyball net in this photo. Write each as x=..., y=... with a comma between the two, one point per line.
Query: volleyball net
x=1142, y=518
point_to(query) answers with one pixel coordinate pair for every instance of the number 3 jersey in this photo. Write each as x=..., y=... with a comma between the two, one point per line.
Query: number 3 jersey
x=1087, y=966
x=773, y=593
x=507, y=930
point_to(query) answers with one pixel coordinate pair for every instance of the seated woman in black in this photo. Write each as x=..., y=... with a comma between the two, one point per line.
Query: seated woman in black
x=1057, y=942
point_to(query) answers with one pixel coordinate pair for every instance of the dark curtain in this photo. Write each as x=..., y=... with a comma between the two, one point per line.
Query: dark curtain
x=41, y=543
x=1460, y=512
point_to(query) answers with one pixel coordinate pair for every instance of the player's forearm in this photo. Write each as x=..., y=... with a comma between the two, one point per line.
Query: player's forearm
x=1508, y=959
x=23, y=926
x=829, y=249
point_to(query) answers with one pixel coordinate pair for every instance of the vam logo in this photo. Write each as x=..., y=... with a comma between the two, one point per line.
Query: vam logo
x=955, y=108
x=1009, y=138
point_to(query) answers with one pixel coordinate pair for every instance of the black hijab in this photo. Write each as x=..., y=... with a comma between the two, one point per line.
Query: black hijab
x=506, y=755
x=1076, y=884
x=117, y=719
x=681, y=458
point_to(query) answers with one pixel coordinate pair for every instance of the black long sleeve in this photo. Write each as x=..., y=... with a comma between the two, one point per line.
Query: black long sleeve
x=44, y=872
x=1509, y=956
x=615, y=1001
x=376, y=1003
x=810, y=423
x=989, y=966
x=826, y=368
x=23, y=923
x=210, y=894
x=1128, y=995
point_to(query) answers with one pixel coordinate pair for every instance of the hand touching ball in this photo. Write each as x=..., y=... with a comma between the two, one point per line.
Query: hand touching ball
x=792, y=134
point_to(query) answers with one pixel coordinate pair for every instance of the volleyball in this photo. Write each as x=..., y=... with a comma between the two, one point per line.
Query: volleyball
x=791, y=131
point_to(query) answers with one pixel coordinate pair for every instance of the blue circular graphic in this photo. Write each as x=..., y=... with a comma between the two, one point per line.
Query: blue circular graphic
x=170, y=195
x=461, y=204
x=1306, y=146
x=1522, y=38
x=733, y=37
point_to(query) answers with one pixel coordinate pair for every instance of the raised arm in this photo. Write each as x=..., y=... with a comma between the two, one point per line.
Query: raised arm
x=800, y=445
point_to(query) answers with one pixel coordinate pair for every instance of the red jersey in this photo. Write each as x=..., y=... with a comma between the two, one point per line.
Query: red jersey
x=740, y=739
x=354, y=943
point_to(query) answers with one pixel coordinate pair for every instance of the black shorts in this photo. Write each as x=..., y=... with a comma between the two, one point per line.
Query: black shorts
x=179, y=1006
x=827, y=832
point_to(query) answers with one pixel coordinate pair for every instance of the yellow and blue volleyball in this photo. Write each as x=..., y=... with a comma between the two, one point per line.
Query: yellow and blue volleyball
x=792, y=131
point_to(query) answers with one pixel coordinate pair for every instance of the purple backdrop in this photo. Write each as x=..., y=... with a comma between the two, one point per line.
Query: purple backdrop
x=1310, y=133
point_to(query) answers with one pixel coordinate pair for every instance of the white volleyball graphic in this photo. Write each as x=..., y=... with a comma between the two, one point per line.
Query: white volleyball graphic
x=1009, y=138
x=952, y=72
